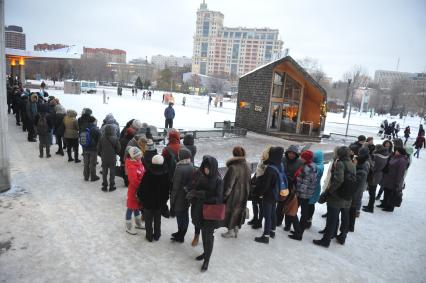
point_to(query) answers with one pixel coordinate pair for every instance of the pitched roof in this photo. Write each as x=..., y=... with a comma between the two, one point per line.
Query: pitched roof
x=298, y=67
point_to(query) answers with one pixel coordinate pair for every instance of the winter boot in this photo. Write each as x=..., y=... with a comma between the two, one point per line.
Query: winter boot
x=138, y=223
x=272, y=234
x=253, y=221
x=295, y=237
x=111, y=189
x=262, y=239
x=205, y=266
x=257, y=224
x=322, y=243
x=340, y=239
x=229, y=234
x=200, y=257
x=368, y=209
x=352, y=217
x=195, y=240
x=48, y=152
x=129, y=228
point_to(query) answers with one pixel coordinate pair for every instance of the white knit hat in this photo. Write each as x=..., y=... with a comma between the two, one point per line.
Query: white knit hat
x=134, y=152
x=136, y=124
x=158, y=160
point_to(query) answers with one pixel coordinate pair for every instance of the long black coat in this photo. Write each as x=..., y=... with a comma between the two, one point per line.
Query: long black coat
x=153, y=191
x=211, y=192
x=182, y=181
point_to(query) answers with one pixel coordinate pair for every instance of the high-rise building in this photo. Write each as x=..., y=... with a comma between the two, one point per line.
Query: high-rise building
x=160, y=61
x=385, y=79
x=220, y=50
x=14, y=37
x=110, y=55
x=47, y=46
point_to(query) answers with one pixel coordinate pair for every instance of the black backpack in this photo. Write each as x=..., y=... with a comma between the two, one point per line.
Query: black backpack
x=349, y=186
x=171, y=162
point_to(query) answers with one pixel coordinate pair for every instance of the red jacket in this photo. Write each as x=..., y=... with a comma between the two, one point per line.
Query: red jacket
x=420, y=142
x=174, y=144
x=135, y=172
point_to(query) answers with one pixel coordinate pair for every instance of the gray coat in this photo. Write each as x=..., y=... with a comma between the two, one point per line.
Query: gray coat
x=236, y=187
x=361, y=181
x=109, y=147
x=307, y=180
x=182, y=181
x=380, y=161
x=338, y=176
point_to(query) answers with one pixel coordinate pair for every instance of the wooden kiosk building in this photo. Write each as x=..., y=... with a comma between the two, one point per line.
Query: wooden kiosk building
x=281, y=99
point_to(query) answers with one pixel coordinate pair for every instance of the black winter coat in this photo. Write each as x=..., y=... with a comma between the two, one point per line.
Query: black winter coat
x=109, y=147
x=182, y=181
x=153, y=191
x=210, y=189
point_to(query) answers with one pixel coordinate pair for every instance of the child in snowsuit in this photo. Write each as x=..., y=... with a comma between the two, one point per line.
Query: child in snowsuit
x=135, y=172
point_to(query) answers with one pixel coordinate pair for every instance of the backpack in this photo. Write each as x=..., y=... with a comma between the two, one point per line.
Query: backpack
x=42, y=127
x=349, y=186
x=85, y=138
x=282, y=185
x=171, y=163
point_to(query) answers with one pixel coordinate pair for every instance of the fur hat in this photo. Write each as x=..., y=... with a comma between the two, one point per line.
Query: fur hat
x=150, y=145
x=134, y=152
x=307, y=155
x=362, y=138
x=238, y=151
x=158, y=160
x=136, y=124
x=87, y=111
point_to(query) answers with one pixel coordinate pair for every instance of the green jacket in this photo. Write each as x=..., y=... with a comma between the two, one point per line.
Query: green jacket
x=337, y=178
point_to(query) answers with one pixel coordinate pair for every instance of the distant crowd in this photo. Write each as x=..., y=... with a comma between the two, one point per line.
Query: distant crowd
x=168, y=184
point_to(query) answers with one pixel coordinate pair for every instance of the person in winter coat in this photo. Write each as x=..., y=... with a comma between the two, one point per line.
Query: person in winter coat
x=31, y=110
x=135, y=171
x=380, y=158
x=188, y=142
x=124, y=141
x=150, y=152
x=71, y=135
x=355, y=147
x=23, y=110
x=179, y=205
x=257, y=181
x=389, y=147
x=292, y=163
x=318, y=160
x=393, y=180
x=421, y=131
x=59, y=128
x=169, y=115
x=83, y=121
x=306, y=181
x=153, y=193
x=208, y=189
x=124, y=130
x=407, y=133
x=44, y=126
x=108, y=148
x=362, y=169
x=236, y=187
x=418, y=144
x=110, y=120
x=335, y=203
x=269, y=191
x=90, y=152
x=171, y=151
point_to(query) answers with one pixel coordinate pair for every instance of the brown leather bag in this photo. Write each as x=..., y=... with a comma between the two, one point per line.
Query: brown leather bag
x=291, y=206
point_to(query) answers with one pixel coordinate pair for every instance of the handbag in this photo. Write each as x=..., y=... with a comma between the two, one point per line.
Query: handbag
x=291, y=206
x=214, y=212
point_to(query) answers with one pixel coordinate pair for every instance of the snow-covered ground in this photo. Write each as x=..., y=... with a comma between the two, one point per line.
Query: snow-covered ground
x=54, y=227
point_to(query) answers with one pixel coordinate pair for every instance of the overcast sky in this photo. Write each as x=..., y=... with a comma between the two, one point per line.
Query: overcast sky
x=339, y=33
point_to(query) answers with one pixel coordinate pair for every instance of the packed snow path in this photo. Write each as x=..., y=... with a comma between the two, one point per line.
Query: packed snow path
x=54, y=227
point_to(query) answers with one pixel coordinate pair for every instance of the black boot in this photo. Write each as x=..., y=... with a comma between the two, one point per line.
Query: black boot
x=205, y=266
x=257, y=224
x=253, y=221
x=263, y=239
x=295, y=236
x=322, y=243
x=340, y=239
x=200, y=257
x=368, y=209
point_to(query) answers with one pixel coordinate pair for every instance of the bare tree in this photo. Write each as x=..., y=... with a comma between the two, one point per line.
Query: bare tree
x=358, y=77
x=312, y=66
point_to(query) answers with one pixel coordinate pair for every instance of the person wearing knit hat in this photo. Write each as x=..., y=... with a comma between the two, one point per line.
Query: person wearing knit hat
x=150, y=152
x=136, y=124
x=292, y=163
x=58, y=128
x=182, y=179
x=135, y=172
x=153, y=193
x=306, y=179
x=188, y=142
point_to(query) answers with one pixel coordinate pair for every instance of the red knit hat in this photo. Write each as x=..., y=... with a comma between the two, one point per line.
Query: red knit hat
x=130, y=132
x=307, y=155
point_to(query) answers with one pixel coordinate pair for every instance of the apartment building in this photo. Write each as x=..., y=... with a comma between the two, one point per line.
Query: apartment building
x=220, y=50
